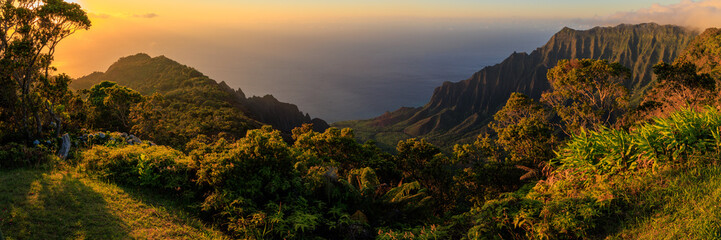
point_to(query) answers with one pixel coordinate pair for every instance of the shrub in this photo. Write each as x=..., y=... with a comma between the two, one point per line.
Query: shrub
x=142, y=165
x=14, y=155
x=257, y=167
x=242, y=178
x=599, y=177
x=422, y=232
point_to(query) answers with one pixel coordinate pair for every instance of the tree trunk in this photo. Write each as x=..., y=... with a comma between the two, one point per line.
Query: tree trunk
x=56, y=118
x=38, y=123
x=26, y=124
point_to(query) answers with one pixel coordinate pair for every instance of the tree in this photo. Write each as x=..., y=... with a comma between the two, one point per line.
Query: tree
x=679, y=86
x=334, y=147
x=8, y=103
x=421, y=161
x=30, y=31
x=151, y=120
x=244, y=178
x=586, y=93
x=110, y=105
x=483, y=173
x=525, y=133
x=57, y=97
x=416, y=158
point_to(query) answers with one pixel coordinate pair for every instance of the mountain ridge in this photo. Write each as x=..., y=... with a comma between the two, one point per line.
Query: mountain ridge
x=461, y=109
x=149, y=75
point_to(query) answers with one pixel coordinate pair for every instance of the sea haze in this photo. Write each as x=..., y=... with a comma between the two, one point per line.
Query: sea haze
x=354, y=70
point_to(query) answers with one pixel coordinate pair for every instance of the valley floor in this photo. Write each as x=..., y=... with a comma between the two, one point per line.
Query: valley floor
x=65, y=204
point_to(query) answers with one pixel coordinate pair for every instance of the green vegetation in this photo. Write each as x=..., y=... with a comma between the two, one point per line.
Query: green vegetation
x=704, y=52
x=686, y=204
x=604, y=180
x=582, y=163
x=525, y=134
x=587, y=93
x=111, y=105
x=54, y=204
x=261, y=187
x=30, y=32
x=181, y=92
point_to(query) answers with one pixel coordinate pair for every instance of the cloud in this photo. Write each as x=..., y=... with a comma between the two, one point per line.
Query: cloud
x=98, y=15
x=701, y=15
x=121, y=15
x=147, y=15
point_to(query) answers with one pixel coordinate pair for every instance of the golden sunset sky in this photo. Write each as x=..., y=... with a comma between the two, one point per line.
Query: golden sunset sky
x=346, y=59
x=125, y=27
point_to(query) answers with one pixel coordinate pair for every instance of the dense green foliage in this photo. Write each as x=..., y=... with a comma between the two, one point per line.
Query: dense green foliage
x=587, y=93
x=525, y=133
x=16, y=155
x=680, y=86
x=704, y=52
x=177, y=117
x=110, y=106
x=261, y=187
x=600, y=178
x=153, y=166
x=29, y=34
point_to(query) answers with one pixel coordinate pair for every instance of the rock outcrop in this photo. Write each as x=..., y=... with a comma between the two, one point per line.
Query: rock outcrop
x=65, y=147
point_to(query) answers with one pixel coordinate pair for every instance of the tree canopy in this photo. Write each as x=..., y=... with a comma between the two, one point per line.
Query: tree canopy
x=30, y=31
x=587, y=93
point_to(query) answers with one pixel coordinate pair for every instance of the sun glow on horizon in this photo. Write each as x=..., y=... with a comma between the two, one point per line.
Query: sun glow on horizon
x=281, y=47
x=121, y=28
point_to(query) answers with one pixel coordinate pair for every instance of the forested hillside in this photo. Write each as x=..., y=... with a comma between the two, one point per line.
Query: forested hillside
x=704, y=52
x=164, y=76
x=459, y=110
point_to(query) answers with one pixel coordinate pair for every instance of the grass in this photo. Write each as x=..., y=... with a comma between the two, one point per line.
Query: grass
x=661, y=180
x=65, y=204
x=688, y=208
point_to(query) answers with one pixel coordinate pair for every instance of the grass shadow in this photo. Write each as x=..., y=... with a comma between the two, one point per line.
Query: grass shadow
x=46, y=204
x=180, y=209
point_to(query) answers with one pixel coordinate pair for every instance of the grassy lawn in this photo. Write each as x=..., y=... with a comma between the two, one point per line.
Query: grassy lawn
x=64, y=204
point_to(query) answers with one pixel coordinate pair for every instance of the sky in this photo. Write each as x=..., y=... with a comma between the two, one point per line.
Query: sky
x=346, y=59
